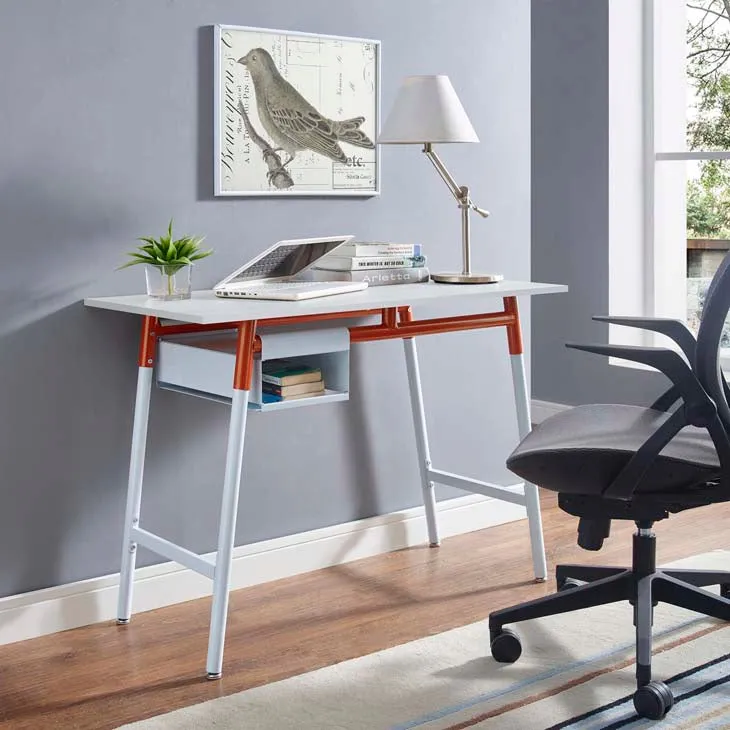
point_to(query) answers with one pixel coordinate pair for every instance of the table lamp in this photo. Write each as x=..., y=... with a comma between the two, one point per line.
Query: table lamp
x=427, y=111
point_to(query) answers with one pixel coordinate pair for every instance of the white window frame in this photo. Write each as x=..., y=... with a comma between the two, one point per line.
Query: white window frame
x=647, y=144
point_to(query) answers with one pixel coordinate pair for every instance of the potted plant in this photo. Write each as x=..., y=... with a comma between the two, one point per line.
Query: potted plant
x=168, y=263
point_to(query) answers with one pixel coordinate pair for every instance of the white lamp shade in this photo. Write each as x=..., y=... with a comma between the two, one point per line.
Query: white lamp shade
x=427, y=109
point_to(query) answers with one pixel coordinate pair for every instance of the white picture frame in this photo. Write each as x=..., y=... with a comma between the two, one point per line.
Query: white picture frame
x=313, y=98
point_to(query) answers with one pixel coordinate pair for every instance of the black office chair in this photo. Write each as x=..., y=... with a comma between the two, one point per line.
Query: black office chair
x=618, y=462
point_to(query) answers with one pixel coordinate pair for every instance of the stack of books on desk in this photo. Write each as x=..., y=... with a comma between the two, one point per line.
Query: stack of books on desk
x=378, y=263
x=288, y=379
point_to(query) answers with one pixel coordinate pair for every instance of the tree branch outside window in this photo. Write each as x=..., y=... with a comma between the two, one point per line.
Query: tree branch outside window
x=708, y=128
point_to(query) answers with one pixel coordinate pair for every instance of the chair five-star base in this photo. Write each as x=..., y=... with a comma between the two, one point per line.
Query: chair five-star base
x=581, y=586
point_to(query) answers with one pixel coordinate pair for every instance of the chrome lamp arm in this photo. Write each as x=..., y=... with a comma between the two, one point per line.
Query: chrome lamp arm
x=461, y=194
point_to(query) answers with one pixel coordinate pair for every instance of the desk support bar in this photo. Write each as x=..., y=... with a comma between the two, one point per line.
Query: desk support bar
x=477, y=487
x=388, y=329
x=173, y=552
x=184, y=329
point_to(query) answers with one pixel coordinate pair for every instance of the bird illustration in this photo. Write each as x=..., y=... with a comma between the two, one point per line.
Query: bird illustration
x=291, y=121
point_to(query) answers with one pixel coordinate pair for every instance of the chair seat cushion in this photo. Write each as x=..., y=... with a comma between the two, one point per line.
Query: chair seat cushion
x=582, y=450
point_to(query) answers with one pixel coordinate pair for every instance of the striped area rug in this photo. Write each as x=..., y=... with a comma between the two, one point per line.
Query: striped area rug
x=700, y=695
x=576, y=673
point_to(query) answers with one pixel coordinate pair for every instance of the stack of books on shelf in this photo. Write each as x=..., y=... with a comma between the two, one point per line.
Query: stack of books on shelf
x=288, y=380
x=378, y=263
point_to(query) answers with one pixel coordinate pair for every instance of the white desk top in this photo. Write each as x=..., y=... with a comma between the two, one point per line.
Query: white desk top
x=206, y=308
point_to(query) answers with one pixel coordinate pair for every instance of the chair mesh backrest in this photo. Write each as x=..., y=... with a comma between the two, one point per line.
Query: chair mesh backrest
x=709, y=339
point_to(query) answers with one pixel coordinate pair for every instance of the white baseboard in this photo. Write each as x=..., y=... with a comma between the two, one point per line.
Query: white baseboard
x=47, y=611
x=542, y=409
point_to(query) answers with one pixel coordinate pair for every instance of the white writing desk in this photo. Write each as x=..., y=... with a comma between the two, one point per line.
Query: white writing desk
x=316, y=328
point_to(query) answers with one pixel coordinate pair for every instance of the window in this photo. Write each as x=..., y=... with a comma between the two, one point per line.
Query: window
x=681, y=135
x=692, y=138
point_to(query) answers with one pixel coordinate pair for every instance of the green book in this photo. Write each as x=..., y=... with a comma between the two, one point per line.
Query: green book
x=288, y=372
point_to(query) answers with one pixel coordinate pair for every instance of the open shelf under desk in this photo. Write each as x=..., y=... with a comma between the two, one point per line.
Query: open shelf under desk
x=203, y=364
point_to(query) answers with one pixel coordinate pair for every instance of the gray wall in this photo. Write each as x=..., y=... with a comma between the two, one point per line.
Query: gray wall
x=106, y=120
x=570, y=189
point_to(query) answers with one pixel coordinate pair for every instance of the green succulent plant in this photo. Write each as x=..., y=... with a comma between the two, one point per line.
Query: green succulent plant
x=167, y=254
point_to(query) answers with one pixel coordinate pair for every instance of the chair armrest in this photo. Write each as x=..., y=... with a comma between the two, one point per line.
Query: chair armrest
x=699, y=409
x=626, y=481
x=675, y=329
x=666, y=400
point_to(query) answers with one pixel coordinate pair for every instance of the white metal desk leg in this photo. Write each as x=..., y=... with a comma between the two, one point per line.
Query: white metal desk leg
x=419, y=424
x=524, y=426
x=134, y=492
x=532, y=498
x=226, y=533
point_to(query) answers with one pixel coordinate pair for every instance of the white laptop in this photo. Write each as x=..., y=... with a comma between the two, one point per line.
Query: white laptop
x=271, y=275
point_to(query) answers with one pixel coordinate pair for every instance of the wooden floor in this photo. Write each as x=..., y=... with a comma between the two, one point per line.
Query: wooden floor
x=104, y=675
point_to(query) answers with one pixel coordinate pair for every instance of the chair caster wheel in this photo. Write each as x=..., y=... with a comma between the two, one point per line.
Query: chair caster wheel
x=569, y=583
x=725, y=590
x=506, y=647
x=653, y=700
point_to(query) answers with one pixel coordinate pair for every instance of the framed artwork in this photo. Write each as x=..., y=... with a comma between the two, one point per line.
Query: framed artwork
x=295, y=113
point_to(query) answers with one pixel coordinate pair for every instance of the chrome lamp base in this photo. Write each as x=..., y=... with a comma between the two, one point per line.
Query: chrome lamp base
x=466, y=278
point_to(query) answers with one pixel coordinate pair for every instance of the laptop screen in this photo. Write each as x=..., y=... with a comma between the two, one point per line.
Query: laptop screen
x=287, y=260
